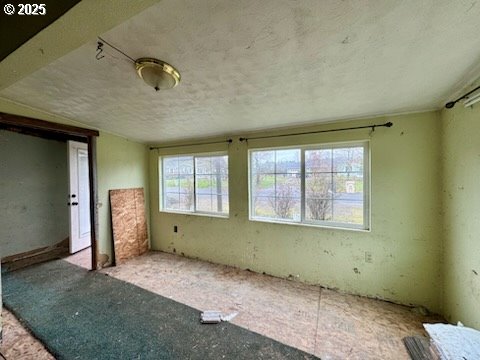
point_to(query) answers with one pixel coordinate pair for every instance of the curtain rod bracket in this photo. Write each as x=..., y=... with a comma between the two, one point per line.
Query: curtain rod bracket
x=451, y=104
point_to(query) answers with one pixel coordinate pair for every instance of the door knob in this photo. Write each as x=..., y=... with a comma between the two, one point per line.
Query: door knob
x=74, y=203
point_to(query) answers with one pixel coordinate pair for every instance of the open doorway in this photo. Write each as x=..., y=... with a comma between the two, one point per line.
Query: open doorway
x=77, y=191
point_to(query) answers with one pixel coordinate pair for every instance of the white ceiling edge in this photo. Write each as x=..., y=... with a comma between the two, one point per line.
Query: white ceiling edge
x=52, y=117
x=319, y=123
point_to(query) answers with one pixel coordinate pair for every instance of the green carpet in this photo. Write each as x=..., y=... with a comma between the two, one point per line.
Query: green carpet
x=88, y=315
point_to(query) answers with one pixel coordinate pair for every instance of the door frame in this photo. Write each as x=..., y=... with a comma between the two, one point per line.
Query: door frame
x=75, y=201
x=56, y=131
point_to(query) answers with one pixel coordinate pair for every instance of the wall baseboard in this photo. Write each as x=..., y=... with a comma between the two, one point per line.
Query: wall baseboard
x=18, y=261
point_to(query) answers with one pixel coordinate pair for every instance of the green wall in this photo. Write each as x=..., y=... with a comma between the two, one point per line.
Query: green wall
x=33, y=193
x=461, y=221
x=121, y=164
x=405, y=237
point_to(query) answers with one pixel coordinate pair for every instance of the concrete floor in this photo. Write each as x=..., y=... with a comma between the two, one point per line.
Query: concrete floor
x=323, y=322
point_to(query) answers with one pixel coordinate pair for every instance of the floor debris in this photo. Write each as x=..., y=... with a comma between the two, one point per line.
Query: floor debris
x=454, y=342
x=418, y=347
x=214, y=317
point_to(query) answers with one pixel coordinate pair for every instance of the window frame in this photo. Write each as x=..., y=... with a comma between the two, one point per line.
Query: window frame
x=365, y=227
x=161, y=186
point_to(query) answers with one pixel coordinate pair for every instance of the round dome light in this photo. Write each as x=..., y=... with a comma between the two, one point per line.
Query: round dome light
x=156, y=73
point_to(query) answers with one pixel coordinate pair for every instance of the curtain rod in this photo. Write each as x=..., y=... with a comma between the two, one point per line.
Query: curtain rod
x=387, y=124
x=228, y=141
x=451, y=104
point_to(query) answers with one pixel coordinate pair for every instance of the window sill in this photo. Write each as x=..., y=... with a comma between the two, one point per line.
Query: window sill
x=331, y=227
x=219, y=216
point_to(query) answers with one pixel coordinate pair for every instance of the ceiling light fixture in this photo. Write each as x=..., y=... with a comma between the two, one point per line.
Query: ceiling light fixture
x=157, y=73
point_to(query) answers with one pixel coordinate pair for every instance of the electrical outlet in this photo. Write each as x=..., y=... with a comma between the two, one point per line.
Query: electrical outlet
x=368, y=257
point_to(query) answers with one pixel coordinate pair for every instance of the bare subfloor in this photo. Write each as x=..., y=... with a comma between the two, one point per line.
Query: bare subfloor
x=17, y=342
x=323, y=322
x=82, y=258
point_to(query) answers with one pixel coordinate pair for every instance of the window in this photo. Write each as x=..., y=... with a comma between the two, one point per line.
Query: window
x=195, y=184
x=323, y=185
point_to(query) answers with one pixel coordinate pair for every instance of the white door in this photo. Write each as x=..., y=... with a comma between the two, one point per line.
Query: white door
x=79, y=197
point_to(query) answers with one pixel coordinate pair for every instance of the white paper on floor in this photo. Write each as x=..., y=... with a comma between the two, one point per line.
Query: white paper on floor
x=454, y=342
x=214, y=317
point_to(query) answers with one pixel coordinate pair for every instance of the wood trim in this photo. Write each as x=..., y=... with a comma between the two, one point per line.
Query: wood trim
x=20, y=122
x=18, y=261
x=92, y=174
x=43, y=134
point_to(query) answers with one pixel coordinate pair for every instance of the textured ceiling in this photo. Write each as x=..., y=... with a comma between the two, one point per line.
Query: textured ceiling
x=252, y=64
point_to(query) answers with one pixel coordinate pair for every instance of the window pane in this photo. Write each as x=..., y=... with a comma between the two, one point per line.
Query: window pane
x=171, y=183
x=211, y=184
x=264, y=206
x=318, y=185
x=204, y=202
x=186, y=184
x=218, y=202
x=276, y=184
x=220, y=165
x=348, y=159
x=172, y=201
x=287, y=208
x=212, y=203
x=185, y=165
x=348, y=187
x=225, y=204
x=318, y=197
x=170, y=166
x=203, y=184
x=203, y=165
x=288, y=186
x=345, y=211
x=186, y=202
x=263, y=184
x=318, y=160
x=318, y=209
x=224, y=182
x=287, y=161
x=263, y=162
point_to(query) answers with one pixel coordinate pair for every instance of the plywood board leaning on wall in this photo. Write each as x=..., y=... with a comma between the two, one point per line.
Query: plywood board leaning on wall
x=129, y=223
